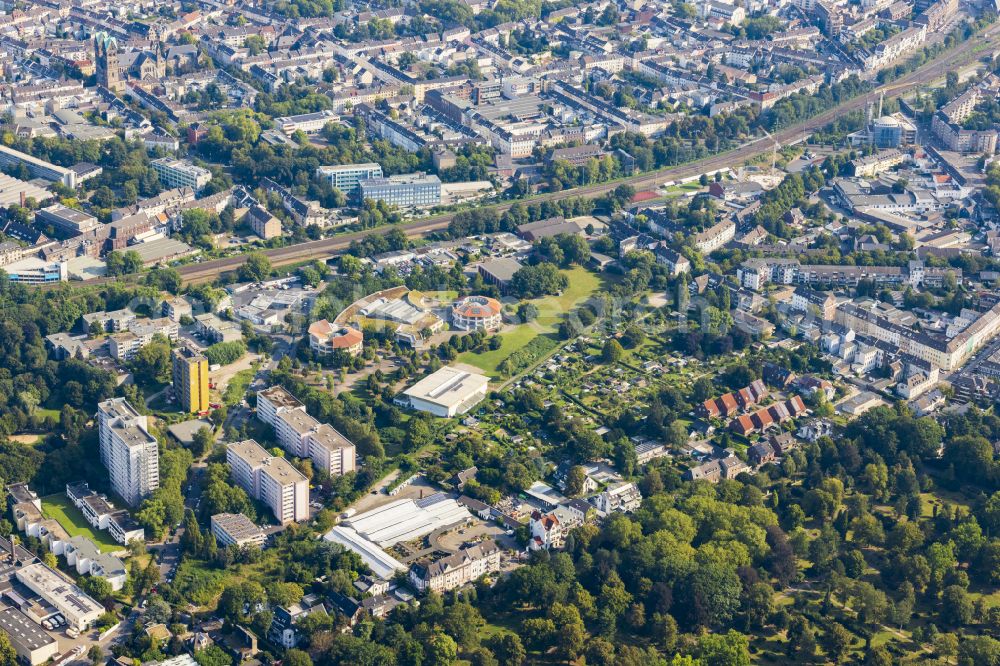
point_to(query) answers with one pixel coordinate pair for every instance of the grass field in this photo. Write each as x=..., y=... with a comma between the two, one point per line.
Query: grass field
x=45, y=412
x=59, y=508
x=551, y=309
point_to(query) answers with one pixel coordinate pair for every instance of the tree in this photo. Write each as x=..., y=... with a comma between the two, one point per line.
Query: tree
x=508, y=649
x=201, y=442
x=8, y=656
x=95, y=654
x=213, y=656
x=256, y=268
x=295, y=657
x=612, y=352
x=441, y=650
x=571, y=633
x=836, y=641
x=956, y=606
x=729, y=649
x=527, y=311
x=575, y=479
x=96, y=587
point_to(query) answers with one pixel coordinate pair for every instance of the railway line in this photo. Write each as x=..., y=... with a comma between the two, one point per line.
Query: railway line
x=958, y=56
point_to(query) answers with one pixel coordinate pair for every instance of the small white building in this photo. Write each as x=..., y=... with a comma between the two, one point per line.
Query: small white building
x=448, y=392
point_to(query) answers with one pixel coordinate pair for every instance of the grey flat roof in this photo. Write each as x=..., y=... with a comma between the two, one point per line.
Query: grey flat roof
x=23, y=631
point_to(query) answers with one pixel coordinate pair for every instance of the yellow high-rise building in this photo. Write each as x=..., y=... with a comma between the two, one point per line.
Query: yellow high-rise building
x=191, y=380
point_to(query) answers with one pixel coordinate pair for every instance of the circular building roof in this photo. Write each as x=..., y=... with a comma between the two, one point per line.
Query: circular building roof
x=477, y=307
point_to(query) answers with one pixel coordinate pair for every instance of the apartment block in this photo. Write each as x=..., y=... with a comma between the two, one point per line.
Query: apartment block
x=273, y=481
x=178, y=173
x=457, y=570
x=130, y=453
x=191, y=380
x=302, y=435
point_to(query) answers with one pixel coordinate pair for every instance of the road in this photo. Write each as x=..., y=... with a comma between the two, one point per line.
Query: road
x=951, y=60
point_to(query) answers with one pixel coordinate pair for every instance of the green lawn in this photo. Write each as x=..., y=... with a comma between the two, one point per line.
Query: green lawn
x=551, y=309
x=45, y=412
x=59, y=508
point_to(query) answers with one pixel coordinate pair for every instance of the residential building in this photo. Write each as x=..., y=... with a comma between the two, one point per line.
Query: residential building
x=623, y=497
x=302, y=435
x=546, y=531
x=448, y=392
x=282, y=630
x=235, y=529
x=190, y=380
x=326, y=338
x=178, y=173
x=465, y=566
x=262, y=223
x=128, y=451
x=273, y=481
x=102, y=514
x=715, y=236
x=407, y=191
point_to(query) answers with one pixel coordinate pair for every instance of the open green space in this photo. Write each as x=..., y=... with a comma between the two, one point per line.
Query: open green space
x=551, y=310
x=59, y=508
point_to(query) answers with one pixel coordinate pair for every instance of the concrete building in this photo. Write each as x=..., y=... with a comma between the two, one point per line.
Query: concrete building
x=448, y=392
x=273, y=481
x=624, y=498
x=32, y=645
x=79, y=609
x=129, y=452
x=347, y=177
x=410, y=190
x=476, y=312
x=33, y=270
x=178, y=173
x=235, y=529
x=65, y=220
x=454, y=571
x=190, y=380
x=38, y=168
x=302, y=435
x=327, y=338
x=102, y=514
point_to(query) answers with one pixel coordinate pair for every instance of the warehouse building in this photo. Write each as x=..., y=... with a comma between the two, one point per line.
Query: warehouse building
x=448, y=392
x=405, y=520
x=33, y=646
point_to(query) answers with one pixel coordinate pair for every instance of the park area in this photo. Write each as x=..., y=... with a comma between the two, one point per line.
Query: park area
x=59, y=508
x=535, y=339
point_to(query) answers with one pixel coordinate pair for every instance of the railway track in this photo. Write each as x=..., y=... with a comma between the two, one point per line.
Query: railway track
x=208, y=271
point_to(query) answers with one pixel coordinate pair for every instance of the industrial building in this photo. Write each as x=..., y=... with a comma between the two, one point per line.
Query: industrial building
x=381, y=563
x=448, y=392
x=38, y=168
x=65, y=220
x=405, y=520
x=32, y=645
x=33, y=270
x=79, y=609
x=130, y=453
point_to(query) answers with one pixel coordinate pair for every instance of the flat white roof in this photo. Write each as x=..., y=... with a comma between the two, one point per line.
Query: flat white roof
x=381, y=563
x=405, y=520
x=447, y=387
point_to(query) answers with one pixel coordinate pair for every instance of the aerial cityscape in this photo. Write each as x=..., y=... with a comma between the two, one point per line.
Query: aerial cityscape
x=499, y=332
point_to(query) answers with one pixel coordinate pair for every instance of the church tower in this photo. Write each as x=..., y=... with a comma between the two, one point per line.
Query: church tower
x=109, y=72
